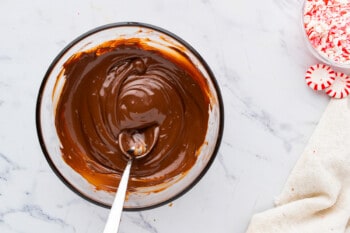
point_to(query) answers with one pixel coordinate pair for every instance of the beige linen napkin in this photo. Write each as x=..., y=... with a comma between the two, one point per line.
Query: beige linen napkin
x=316, y=198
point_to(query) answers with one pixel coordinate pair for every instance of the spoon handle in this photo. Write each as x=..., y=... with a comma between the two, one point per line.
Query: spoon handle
x=113, y=220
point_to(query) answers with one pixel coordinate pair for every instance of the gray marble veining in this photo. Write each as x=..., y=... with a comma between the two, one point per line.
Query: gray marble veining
x=257, y=53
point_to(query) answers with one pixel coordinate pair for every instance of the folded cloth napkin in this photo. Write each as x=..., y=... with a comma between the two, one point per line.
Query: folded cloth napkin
x=316, y=198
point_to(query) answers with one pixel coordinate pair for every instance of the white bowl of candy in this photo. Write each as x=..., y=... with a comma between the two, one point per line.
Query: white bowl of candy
x=326, y=24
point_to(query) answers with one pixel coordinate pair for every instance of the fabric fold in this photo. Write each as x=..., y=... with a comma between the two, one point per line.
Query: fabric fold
x=316, y=197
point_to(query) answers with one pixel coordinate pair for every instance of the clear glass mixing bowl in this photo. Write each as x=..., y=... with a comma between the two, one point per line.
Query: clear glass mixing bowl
x=50, y=143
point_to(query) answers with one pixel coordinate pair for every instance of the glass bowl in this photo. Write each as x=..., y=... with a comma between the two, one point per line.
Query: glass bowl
x=50, y=142
x=314, y=51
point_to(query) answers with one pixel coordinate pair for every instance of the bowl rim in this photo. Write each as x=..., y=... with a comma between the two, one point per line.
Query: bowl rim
x=106, y=27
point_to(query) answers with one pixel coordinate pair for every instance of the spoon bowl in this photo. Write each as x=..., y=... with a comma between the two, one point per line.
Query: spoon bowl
x=133, y=143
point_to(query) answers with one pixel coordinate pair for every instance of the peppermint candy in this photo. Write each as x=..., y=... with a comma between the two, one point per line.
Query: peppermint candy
x=319, y=77
x=341, y=86
x=322, y=77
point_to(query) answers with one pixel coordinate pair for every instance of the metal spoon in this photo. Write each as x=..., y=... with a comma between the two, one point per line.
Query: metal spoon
x=137, y=151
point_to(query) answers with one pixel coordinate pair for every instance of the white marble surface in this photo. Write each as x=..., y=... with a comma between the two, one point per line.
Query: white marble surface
x=256, y=51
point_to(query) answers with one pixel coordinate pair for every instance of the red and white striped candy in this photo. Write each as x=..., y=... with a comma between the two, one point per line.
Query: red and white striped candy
x=341, y=86
x=319, y=77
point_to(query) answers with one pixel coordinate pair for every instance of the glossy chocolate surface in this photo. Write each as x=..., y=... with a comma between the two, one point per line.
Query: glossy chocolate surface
x=126, y=86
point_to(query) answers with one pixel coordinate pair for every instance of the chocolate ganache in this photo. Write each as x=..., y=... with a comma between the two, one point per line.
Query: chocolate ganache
x=128, y=86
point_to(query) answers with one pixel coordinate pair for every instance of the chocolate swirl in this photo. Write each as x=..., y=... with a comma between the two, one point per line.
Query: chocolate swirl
x=124, y=86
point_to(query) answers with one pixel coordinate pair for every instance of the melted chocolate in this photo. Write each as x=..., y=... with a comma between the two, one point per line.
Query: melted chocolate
x=127, y=86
